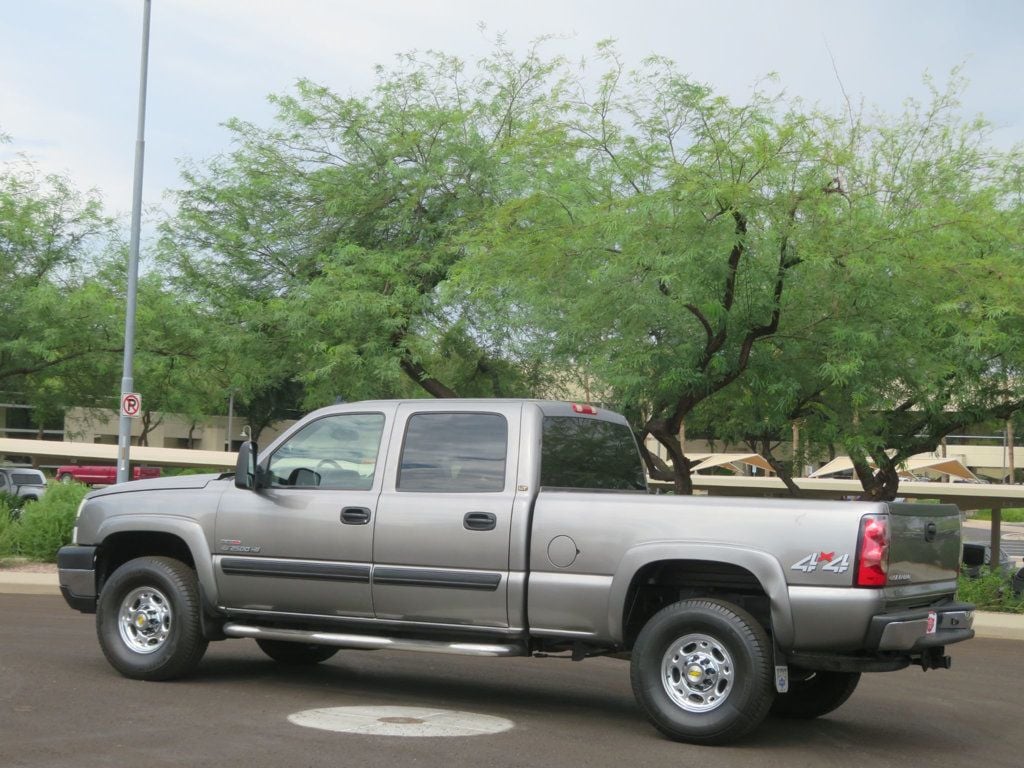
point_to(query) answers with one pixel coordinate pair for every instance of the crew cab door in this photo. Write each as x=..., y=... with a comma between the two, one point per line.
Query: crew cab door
x=303, y=544
x=441, y=539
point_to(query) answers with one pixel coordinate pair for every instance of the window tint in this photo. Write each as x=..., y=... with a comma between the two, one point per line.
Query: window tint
x=28, y=478
x=589, y=453
x=335, y=452
x=454, y=453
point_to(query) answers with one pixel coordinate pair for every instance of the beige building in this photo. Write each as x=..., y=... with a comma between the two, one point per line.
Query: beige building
x=169, y=430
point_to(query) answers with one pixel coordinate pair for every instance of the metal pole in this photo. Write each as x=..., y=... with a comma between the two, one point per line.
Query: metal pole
x=231, y=417
x=1011, y=464
x=124, y=437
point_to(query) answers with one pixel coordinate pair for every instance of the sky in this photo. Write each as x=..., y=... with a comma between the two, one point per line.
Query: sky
x=69, y=69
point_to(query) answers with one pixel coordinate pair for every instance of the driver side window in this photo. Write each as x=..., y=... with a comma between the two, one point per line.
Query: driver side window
x=333, y=453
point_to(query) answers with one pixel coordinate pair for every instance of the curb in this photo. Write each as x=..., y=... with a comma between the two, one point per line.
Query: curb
x=994, y=626
x=29, y=584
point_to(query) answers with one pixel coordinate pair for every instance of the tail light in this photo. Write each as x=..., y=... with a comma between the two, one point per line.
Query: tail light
x=587, y=410
x=872, y=552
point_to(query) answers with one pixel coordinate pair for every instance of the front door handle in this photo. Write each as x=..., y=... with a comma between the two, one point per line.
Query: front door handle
x=479, y=521
x=355, y=515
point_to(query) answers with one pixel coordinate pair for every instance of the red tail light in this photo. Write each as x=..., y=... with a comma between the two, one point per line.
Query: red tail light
x=873, y=552
x=587, y=410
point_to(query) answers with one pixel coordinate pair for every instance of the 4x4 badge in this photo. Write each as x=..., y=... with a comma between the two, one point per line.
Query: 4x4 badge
x=829, y=561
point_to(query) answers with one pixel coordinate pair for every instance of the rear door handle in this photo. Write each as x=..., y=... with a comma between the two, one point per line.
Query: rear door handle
x=479, y=521
x=355, y=515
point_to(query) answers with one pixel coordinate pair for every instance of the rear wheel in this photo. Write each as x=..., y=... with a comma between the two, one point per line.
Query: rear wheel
x=813, y=694
x=147, y=619
x=296, y=653
x=701, y=671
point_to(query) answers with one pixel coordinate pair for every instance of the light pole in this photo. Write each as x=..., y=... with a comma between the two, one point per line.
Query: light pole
x=124, y=435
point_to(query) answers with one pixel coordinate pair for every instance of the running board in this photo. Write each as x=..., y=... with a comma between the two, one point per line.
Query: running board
x=372, y=643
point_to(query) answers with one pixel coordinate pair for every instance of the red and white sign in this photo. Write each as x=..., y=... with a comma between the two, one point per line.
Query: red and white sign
x=131, y=404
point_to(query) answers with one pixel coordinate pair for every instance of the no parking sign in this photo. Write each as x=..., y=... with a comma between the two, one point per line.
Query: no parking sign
x=131, y=404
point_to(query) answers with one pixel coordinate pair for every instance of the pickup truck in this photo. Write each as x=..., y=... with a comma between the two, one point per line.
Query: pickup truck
x=101, y=474
x=27, y=484
x=516, y=528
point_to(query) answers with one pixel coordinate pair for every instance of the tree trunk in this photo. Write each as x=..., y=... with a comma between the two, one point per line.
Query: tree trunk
x=419, y=374
x=881, y=484
x=148, y=425
x=682, y=480
x=781, y=469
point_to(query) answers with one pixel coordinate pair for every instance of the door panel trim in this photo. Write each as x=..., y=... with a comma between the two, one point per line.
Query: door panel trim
x=431, y=577
x=295, y=569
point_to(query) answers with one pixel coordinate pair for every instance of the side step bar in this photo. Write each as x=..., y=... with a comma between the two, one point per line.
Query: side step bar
x=372, y=643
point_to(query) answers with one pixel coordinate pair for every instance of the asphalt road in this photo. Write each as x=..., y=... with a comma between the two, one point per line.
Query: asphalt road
x=62, y=705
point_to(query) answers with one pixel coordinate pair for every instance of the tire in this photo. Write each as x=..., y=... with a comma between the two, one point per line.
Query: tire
x=813, y=694
x=148, y=621
x=66, y=478
x=299, y=654
x=723, y=692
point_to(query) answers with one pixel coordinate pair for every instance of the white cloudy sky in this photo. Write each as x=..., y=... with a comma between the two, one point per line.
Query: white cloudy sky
x=69, y=68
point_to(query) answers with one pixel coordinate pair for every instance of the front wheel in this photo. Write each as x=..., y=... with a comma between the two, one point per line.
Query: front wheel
x=147, y=619
x=813, y=694
x=701, y=671
x=296, y=653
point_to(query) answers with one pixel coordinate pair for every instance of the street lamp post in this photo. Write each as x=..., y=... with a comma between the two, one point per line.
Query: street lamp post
x=124, y=436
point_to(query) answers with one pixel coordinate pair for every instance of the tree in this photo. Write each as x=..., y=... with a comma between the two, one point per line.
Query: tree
x=58, y=321
x=330, y=236
x=659, y=253
x=920, y=332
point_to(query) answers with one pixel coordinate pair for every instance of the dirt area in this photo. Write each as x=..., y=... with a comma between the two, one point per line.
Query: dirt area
x=20, y=565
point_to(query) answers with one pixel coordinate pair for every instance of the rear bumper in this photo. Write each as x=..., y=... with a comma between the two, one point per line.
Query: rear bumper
x=76, y=568
x=921, y=628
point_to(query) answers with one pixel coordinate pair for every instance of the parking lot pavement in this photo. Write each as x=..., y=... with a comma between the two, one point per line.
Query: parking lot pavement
x=62, y=705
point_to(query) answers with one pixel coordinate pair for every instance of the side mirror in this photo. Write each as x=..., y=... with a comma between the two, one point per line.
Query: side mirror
x=245, y=468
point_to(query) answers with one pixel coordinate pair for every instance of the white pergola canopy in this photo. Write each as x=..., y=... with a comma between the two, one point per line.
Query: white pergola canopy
x=947, y=466
x=730, y=461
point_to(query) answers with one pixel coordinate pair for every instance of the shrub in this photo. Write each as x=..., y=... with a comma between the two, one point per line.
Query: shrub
x=45, y=525
x=8, y=525
x=991, y=591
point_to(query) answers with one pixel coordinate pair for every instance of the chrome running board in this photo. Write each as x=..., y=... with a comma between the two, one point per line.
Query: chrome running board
x=373, y=643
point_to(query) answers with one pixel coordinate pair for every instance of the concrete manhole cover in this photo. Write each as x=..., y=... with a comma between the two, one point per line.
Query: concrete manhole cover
x=400, y=721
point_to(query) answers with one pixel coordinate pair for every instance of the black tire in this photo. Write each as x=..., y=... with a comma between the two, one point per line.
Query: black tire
x=147, y=619
x=65, y=478
x=299, y=654
x=813, y=694
x=729, y=652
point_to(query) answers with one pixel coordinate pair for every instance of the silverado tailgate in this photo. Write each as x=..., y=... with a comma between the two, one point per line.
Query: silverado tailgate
x=924, y=543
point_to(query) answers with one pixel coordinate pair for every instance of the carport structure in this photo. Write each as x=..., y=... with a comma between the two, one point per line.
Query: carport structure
x=731, y=461
x=911, y=468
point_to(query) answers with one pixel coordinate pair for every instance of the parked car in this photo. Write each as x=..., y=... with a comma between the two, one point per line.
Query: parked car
x=101, y=474
x=28, y=484
x=976, y=555
x=517, y=528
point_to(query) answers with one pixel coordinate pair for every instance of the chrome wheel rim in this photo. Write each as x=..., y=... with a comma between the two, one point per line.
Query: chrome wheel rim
x=697, y=673
x=144, y=620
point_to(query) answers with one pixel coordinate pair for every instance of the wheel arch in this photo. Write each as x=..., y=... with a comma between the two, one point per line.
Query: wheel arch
x=129, y=536
x=718, y=568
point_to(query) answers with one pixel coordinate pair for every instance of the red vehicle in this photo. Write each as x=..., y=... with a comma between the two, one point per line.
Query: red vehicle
x=101, y=474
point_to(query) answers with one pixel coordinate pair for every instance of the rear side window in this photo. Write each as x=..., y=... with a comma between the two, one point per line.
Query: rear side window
x=454, y=453
x=589, y=453
x=28, y=478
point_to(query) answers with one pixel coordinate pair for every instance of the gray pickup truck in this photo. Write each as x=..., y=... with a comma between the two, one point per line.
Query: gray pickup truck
x=26, y=484
x=516, y=528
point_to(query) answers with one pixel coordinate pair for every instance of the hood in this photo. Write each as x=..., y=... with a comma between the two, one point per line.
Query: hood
x=159, y=484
